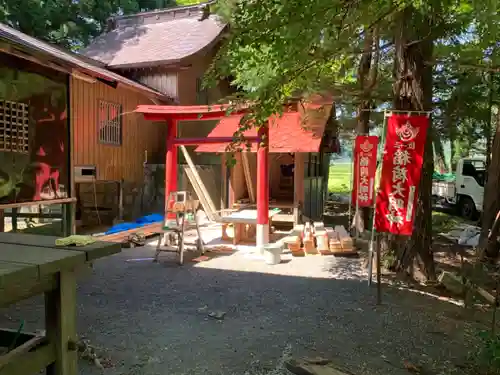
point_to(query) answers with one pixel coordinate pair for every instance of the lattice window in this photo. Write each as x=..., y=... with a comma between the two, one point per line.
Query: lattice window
x=110, y=123
x=14, y=123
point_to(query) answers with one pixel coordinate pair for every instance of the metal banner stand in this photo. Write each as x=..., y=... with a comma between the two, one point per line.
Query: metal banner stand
x=374, y=234
x=352, y=184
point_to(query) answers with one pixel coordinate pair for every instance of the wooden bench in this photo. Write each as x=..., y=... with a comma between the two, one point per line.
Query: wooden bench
x=32, y=265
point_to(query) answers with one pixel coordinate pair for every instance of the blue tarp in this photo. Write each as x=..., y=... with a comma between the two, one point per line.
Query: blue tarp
x=142, y=221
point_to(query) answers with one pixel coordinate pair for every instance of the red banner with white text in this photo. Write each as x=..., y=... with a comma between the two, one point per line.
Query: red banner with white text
x=365, y=167
x=401, y=170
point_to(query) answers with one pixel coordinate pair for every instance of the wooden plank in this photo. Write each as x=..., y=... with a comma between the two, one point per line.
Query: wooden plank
x=199, y=192
x=21, y=349
x=7, y=336
x=12, y=272
x=60, y=324
x=49, y=261
x=32, y=362
x=34, y=203
x=197, y=177
x=120, y=237
x=93, y=251
x=248, y=176
x=313, y=366
x=26, y=288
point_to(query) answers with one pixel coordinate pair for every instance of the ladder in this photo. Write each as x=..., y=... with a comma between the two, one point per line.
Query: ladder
x=183, y=208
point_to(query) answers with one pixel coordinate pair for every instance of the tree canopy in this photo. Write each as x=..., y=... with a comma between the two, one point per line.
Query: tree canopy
x=434, y=55
x=72, y=24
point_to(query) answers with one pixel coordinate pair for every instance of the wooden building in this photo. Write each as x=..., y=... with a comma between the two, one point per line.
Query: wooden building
x=170, y=50
x=66, y=118
x=300, y=144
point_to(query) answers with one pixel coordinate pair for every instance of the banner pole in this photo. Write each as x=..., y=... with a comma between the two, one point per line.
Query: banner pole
x=379, y=273
x=376, y=186
x=352, y=185
x=356, y=213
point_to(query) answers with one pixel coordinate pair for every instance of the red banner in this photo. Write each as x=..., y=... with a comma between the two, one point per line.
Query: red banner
x=401, y=170
x=365, y=167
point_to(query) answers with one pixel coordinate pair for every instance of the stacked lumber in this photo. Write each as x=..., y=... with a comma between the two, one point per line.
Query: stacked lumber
x=344, y=238
x=317, y=239
x=339, y=241
x=293, y=244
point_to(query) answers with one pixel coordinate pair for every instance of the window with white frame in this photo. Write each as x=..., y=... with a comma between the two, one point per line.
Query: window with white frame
x=14, y=124
x=110, y=123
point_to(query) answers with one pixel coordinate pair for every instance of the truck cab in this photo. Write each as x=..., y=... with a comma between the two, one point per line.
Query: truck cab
x=469, y=186
x=466, y=189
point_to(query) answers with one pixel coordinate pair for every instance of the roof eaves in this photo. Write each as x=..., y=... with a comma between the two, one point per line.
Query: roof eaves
x=18, y=38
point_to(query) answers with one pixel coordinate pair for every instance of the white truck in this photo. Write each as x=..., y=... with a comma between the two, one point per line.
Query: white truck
x=466, y=190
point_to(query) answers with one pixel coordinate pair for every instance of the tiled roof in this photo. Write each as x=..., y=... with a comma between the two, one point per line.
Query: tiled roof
x=82, y=63
x=160, y=37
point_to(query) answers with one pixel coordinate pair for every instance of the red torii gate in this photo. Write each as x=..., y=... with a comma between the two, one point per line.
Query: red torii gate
x=173, y=114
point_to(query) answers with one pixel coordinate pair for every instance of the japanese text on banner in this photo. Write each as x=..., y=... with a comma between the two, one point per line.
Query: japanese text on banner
x=401, y=171
x=365, y=167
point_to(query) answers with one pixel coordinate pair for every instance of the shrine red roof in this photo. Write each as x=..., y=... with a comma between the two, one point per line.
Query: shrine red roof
x=288, y=133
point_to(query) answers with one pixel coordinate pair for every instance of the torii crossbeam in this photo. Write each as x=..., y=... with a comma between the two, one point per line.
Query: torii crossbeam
x=172, y=115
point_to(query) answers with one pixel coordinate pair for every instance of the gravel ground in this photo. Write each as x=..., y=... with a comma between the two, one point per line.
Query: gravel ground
x=152, y=319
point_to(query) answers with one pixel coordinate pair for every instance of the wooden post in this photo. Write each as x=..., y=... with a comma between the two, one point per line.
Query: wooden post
x=298, y=186
x=120, y=200
x=379, y=271
x=60, y=323
x=2, y=221
x=68, y=218
x=171, y=163
x=248, y=176
x=14, y=220
x=262, y=234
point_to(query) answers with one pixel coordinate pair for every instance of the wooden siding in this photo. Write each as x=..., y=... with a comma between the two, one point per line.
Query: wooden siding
x=164, y=82
x=187, y=81
x=138, y=136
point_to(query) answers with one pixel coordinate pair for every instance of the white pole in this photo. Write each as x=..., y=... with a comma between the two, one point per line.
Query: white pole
x=352, y=184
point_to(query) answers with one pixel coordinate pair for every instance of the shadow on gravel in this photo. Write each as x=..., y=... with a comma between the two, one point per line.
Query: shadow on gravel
x=152, y=319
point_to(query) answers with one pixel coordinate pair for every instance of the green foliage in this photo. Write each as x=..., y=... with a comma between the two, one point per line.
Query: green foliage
x=486, y=359
x=71, y=24
x=339, y=178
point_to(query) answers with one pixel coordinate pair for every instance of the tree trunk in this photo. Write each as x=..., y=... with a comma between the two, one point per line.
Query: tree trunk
x=413, y=92
x=367, y=79
x=488, y=128
x=491, y=203
x=439, y=151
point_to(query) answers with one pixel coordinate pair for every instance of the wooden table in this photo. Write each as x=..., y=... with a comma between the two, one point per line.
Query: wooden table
x=244, y=223
x=32, y=265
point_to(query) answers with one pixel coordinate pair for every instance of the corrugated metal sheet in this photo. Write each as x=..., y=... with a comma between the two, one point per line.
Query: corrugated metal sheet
x=286, y=134
x=113, y=162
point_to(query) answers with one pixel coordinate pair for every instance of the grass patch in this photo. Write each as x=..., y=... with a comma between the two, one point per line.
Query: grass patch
x=443, y=222
x=339, y=178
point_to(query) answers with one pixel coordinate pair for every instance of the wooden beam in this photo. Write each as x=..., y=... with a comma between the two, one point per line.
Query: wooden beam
x=60, y=323
x=197, y=178
x=36, y=203
x=199, y=192
x=248, y=176
x=210, y=140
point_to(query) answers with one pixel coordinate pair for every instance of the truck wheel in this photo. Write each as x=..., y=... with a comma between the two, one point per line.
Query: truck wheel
x=467, y=208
